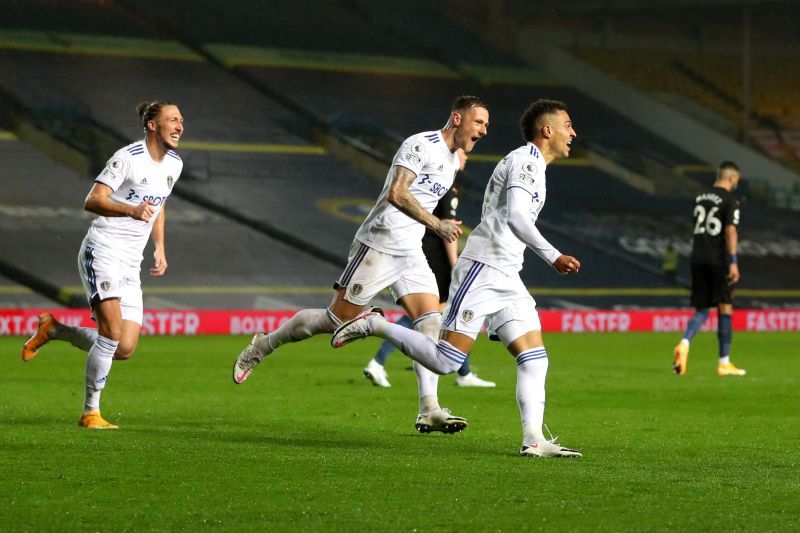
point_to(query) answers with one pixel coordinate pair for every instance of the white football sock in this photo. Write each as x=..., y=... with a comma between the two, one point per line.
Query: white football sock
x=429, y=325
x=82, y=338
x=531, y=374
x=441, y=358
x=304, y=324
x=98, y=365
x=428, y=386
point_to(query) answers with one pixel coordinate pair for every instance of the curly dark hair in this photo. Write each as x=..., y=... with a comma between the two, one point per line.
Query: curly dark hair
x=527, y=122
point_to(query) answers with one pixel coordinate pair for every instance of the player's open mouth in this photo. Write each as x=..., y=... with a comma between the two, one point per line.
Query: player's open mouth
x=175, y=136
x=475, y=139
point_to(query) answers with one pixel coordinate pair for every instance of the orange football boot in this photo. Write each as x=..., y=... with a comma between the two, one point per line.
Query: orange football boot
x=93, y=420
x=43, y=335
x=728, y=369
x=681, y=358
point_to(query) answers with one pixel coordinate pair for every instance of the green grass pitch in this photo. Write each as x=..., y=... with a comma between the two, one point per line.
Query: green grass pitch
x=308, y=445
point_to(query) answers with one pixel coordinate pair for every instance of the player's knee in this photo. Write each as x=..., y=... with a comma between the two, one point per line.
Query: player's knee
x=111, y=331
x=449, y=358
x=310, y=322
x=120, y=355
x=124, y=351
x=300, y=333
x=446, y=367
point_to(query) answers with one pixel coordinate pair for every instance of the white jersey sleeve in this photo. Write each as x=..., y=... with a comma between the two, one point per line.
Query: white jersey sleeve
x=413, y=155
x=523, y=226
x=117, y=169
x=522, y=173
x=523, y=210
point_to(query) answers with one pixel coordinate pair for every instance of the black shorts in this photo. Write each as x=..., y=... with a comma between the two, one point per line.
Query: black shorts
x=710, y=285
x=436, y=255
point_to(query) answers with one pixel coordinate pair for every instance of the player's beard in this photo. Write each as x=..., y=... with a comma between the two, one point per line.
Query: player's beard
x=166, y=142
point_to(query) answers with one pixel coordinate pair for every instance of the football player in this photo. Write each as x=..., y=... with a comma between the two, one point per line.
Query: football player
x=129, y=198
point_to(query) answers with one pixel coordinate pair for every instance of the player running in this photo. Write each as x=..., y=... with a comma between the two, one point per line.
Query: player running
x=129, y=197
x=441, y=256
x=387, y=252
x=715, y=269
x=486, y=287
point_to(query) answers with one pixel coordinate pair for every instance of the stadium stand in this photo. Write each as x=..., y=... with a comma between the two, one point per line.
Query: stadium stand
x=714, y=80
x=235, y=124
x=699, y=59
x=14, y=295
x=213, y=262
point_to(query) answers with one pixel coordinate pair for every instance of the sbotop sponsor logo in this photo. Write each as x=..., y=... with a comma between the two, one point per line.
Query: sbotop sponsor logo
x=678, y=322
x=249, y=324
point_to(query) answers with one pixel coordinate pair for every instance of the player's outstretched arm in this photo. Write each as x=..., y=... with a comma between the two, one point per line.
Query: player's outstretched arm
x=400, y=196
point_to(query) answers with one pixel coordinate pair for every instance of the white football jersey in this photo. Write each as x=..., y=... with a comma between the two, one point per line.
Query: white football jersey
x=492, y=241
x=135, y=178
x=388, y=229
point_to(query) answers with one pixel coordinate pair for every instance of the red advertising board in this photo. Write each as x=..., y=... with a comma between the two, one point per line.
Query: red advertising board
x=249, y=321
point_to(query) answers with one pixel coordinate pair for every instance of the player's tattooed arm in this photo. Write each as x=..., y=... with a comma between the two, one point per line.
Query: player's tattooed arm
x=400, y=196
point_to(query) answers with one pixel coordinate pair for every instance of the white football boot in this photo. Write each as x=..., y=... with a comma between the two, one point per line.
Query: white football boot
x=250, y=358
x=355, y=329
x=471, y=380
x=376, y=373
x=547, y=448
x=440, y=420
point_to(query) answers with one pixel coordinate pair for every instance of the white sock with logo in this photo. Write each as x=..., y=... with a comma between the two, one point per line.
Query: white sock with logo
x=98, y=365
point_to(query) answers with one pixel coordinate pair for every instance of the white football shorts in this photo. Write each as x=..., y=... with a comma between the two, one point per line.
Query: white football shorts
x=369, y=271
x=482, y=294
x=104, y=276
